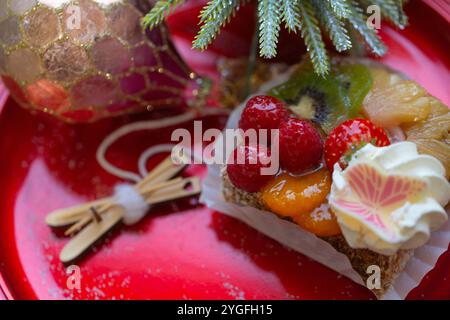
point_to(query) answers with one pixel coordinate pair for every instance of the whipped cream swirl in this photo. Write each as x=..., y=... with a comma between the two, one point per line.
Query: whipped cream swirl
x=389, y=198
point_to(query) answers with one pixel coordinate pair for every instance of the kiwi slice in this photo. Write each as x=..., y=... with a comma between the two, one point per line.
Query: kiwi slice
x=355, y=81
x=326, y=100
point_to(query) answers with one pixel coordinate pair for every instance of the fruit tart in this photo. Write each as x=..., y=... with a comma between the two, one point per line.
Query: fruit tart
x=364, y=162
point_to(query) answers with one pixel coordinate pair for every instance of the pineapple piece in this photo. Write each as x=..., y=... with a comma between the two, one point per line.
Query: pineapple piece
x=438, y=149
x=400, y=103
x=433, y=128
x=383, y=78
x=437, y=108
x=436, y=126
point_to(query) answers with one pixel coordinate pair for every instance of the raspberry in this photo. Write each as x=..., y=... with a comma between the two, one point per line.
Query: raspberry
x=245, y=170
x=301, y=146
x=263, y=112
x=350, y=136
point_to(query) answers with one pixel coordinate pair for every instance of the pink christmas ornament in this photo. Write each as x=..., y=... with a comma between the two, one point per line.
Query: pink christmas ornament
x=89, y=59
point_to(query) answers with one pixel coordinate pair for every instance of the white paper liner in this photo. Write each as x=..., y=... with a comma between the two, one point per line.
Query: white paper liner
x=292, y=236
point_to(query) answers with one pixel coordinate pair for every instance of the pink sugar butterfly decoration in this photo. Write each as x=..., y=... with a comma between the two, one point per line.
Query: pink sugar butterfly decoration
x=375, y=195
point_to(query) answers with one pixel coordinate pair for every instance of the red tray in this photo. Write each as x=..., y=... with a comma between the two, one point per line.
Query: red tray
x=182, y=250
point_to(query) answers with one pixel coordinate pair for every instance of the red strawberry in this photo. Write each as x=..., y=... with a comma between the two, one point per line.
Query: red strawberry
x=263, y=112
x=350, y=136
x=301, y=146
x=244, y=170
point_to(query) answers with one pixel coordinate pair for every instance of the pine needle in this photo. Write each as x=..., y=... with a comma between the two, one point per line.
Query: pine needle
x=216, y=14
x=339, y=18
x=340, y=7
x=213, y=10
x=313, y=38
x=269, y=27
x=290, y=14
x=160, y=10
x=391, y=10
x=358, y=20
x=334, y=26
x=403, y=16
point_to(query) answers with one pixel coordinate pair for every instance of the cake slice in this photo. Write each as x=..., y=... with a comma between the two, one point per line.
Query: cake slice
x=313, y=188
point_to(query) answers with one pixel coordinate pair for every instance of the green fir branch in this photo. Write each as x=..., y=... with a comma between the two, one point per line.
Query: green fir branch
x=341, y=19
x=290, y=14
x=390, y=9
x=334, y=26
x=216, y=14
x=312, y=36
x=160, y=10
x=340, y=7
x=358, y=20
x=269, y=27
x=214, y=9
x=403, y=17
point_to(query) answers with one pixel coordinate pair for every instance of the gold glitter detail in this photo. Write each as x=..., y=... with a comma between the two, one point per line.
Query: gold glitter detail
x=92, y=22
x=124, y=23
x=39, y=51
x=41, y=27
x=110, y=56
x=65, y=61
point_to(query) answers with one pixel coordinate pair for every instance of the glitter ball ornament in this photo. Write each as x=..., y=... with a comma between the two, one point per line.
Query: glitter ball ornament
x=88, y=59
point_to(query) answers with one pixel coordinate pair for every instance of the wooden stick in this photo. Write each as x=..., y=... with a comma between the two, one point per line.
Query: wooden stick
x=163, y=187
x=176, y=191
x=162, y=172
x=89, y=235
x=145, y=191
x=79, y=225
x=155, y=188
x=67, y=216
x=63, y=217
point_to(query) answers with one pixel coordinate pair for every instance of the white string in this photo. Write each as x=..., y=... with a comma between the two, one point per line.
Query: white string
x=144, y=125
x=150, y=152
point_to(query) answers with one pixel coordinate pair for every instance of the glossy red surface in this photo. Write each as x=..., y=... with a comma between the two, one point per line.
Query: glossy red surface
x=181, y=250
